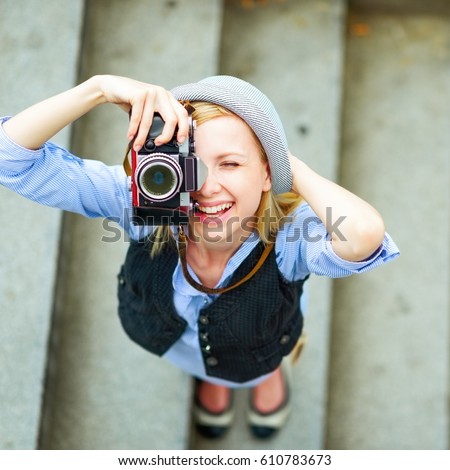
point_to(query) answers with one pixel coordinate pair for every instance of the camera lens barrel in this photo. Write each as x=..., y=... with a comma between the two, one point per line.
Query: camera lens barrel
x=159, y=177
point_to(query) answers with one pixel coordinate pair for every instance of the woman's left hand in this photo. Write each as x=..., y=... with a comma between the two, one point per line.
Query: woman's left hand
x=356, y=229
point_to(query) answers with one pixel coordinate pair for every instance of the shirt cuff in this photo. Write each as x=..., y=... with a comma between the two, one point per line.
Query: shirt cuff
x=387, y=251
x=13, y=157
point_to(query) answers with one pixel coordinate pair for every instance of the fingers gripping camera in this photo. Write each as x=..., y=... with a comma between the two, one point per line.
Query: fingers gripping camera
x=163, y=177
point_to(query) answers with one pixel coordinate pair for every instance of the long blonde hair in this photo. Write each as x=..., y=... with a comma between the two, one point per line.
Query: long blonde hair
x=273, y=210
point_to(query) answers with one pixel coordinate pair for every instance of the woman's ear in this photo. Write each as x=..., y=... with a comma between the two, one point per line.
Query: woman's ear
x=268, y=179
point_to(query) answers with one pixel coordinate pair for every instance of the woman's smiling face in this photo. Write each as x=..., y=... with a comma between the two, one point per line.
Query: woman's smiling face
x=237, y=177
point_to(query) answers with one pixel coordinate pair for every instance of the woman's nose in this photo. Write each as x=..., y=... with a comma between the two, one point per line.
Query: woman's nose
x=210, y=186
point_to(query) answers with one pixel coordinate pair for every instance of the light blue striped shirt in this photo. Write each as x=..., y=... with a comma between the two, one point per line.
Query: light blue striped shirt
x=54, y=177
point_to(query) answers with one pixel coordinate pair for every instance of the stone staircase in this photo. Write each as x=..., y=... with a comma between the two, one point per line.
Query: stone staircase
x=362, y=87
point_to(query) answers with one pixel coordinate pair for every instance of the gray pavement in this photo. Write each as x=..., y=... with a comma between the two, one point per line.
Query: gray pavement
x=33, y=65
x=364, y=103
x=301, y=73
x=390, y=349
x=105, y=391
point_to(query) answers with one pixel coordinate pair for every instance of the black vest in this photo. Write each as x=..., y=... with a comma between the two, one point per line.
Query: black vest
x=243, y=334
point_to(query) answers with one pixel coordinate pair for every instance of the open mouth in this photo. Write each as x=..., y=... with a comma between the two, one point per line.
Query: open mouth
x=212, y=211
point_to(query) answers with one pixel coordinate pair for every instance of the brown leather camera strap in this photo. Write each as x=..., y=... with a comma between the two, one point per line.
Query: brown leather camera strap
x=126, y=161
x=208, y=290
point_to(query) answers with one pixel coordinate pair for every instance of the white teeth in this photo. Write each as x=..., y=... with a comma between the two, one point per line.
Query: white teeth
x=214, y=209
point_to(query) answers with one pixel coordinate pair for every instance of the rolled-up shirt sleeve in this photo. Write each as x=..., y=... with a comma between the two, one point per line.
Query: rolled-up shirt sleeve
x=54, y=177
x=303, y=246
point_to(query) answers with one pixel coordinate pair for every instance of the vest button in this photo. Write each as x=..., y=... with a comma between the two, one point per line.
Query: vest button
x=212, y=361
x=285, y=339
x=207, y=348
x=204, y=336
x=203, y=319
x=121, y=280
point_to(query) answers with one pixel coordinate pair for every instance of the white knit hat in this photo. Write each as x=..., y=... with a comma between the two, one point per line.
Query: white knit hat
x=256, y=110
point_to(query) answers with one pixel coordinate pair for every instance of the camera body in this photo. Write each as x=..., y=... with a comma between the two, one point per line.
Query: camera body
x=162, y=178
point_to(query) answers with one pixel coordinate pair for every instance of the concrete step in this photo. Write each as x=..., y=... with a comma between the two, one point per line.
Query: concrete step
x=294, y=52
x=390, y=350
x=35, y=61
x=105, y=392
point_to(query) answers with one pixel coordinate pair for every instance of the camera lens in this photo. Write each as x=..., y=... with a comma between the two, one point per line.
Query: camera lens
x=159, y=178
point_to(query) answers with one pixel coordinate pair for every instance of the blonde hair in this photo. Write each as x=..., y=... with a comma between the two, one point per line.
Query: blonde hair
x=273, y=210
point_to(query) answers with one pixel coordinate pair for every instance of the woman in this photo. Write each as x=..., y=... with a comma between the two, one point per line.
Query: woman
x=249, y=234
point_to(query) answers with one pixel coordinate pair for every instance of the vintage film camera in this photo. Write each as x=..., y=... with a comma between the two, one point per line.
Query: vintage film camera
x=163, y=176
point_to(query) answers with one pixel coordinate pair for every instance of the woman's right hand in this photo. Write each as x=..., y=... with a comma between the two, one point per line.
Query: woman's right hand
x=35, y=125
x=141, y=100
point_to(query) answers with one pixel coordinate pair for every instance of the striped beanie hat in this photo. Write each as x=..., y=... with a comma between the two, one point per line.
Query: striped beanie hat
x=256, y=110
